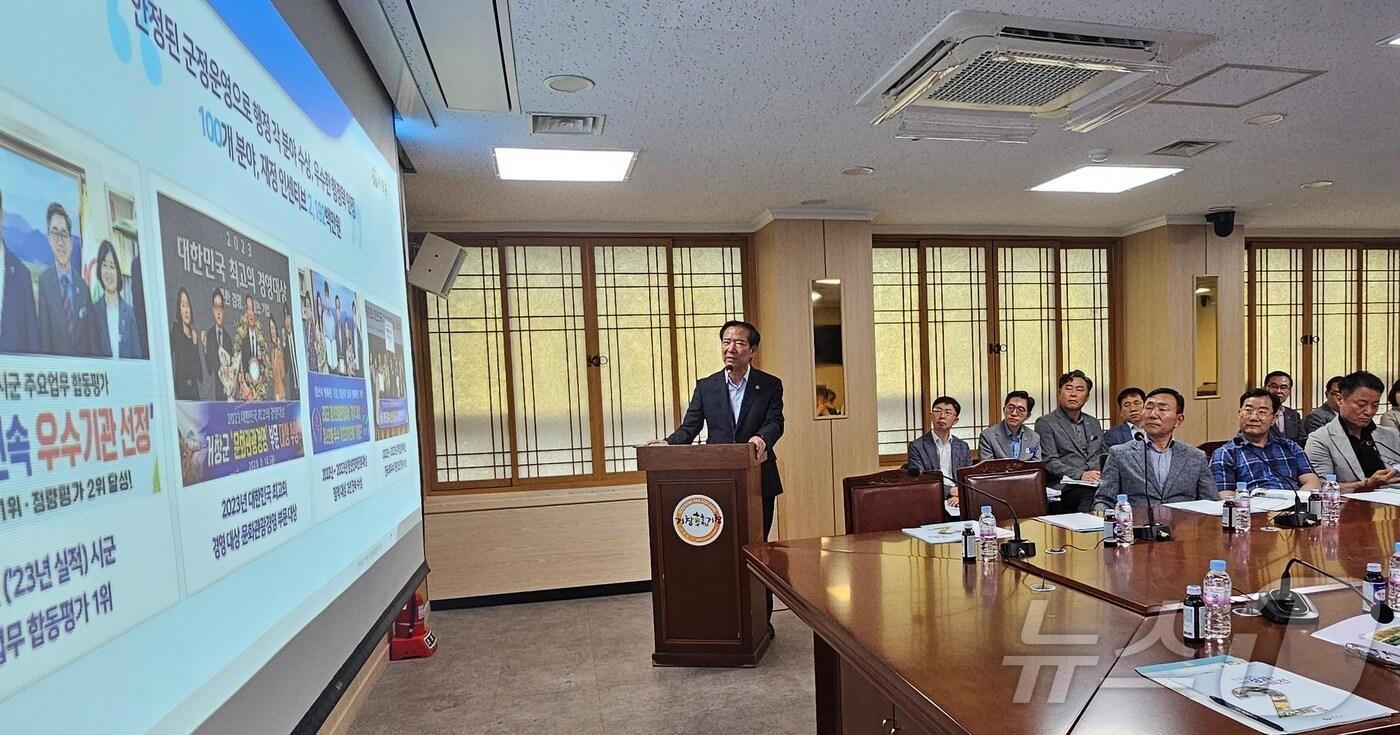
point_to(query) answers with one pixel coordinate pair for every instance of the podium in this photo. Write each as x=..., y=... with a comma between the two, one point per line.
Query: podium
x=704, y=503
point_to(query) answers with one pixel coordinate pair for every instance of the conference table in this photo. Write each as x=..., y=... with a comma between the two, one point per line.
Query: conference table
x=910, y=640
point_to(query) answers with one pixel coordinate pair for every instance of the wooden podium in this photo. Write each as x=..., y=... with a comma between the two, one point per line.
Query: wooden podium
x=704, y=504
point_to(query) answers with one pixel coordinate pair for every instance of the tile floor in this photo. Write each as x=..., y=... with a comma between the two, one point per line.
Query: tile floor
x=583, y=667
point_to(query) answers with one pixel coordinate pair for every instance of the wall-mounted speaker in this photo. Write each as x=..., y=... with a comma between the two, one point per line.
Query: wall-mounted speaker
x=437, y=264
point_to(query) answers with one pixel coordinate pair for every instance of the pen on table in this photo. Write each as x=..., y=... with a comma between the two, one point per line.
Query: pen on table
x=1247, y=713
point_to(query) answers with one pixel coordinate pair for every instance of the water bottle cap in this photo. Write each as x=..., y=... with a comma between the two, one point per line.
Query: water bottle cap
x=968, y=525
x=1122, y=497
x=1374, y=566
x=1330, y=478
x=986, y=509
x=1193, y=589
x=1397, y=547
x=1241, y=486
x=1217, y=565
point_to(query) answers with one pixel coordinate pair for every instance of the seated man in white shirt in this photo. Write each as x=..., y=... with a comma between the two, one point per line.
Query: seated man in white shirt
x=940, y=451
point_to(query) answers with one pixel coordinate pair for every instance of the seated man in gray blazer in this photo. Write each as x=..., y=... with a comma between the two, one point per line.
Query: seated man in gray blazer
x=940, y=451
x=1362, y=455
x=1156, y=467
x=1071, y=440
x=1011, y=438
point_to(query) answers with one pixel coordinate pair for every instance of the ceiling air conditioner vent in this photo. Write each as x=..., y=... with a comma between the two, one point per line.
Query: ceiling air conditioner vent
x=542, y=123
x=992, y=62
x=1187, y=148
x=1076, y=39
x=992, y=80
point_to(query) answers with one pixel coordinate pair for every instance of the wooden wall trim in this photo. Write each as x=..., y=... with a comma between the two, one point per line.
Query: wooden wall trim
x=531, y=499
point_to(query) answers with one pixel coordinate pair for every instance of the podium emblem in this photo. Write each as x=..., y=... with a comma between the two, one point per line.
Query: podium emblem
x=697, y=520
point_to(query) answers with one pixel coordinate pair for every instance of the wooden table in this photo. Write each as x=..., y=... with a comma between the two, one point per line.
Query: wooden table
x=908, y=637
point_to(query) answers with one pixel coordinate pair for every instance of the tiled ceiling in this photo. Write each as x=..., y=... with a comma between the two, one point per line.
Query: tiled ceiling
x=739, y=106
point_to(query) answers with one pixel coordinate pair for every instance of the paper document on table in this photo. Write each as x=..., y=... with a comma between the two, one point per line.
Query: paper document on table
x=1081, y=483
x=947, y=533
x=1386, y=497
x=1262, y=696
x=1364, y=631
x=1213, y=507
x=1074, y=521
x=1275, y=493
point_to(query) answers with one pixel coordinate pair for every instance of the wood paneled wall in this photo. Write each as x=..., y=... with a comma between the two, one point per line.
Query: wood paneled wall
x=1158, y=324
x=523, y=541
x=815, y=455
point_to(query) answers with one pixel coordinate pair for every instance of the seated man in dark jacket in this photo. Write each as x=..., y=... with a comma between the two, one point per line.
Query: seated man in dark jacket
x=938, y=450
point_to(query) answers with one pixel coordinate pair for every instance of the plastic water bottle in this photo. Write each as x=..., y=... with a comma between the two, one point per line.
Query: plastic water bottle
x=988, y=533
x=1241, y=508
x=1331, y=501
x=1392, y=585
x=1216, y=590
x=1123, y=521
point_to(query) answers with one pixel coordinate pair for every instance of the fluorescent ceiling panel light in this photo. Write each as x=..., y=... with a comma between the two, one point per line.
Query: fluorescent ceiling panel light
x=1392, y=41
x=1106, y=179
x=553, y=164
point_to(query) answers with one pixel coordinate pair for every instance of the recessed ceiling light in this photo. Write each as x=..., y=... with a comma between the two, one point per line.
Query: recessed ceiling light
x=858, y=171
x=1106, y=179
x=1392, y=41
x=812, y=202
x=1269, y=118
x=569, y=83
x=1319, y=184
x=552, y=164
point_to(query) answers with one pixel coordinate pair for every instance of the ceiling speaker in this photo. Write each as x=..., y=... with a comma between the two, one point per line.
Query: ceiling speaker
x=436, y=266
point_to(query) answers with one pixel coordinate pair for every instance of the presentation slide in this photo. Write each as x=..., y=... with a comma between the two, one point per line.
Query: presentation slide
x=207, y=430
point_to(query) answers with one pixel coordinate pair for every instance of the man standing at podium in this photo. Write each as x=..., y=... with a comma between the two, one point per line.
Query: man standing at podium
x=740, y=404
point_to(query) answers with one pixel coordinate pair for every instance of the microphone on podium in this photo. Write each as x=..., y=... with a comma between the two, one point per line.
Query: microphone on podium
x=1153, y=531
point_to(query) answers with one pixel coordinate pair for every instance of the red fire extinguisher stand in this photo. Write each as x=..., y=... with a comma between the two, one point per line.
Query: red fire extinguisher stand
x=411, y=638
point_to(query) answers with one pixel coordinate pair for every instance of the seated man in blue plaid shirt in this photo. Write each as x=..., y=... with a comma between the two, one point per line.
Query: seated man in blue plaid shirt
x=1260, y=458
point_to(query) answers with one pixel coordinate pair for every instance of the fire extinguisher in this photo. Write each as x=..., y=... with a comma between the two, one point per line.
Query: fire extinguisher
x=411, y=638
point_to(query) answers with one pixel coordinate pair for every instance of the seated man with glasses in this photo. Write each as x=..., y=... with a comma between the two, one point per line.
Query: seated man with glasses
x=1362, y=455
x=1010, y=438
x=1258, y=456
x=940, y=451
x=1288, y=423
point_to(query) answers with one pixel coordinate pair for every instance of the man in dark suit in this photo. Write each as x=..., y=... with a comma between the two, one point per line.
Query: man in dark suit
x=17, y=318
x=1288, y=423
x=254, y=344
x=1324, y=414
x=740, y=404
x=938, y=450
x=64, y=300
x=1130, y=403
x=218, y=345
